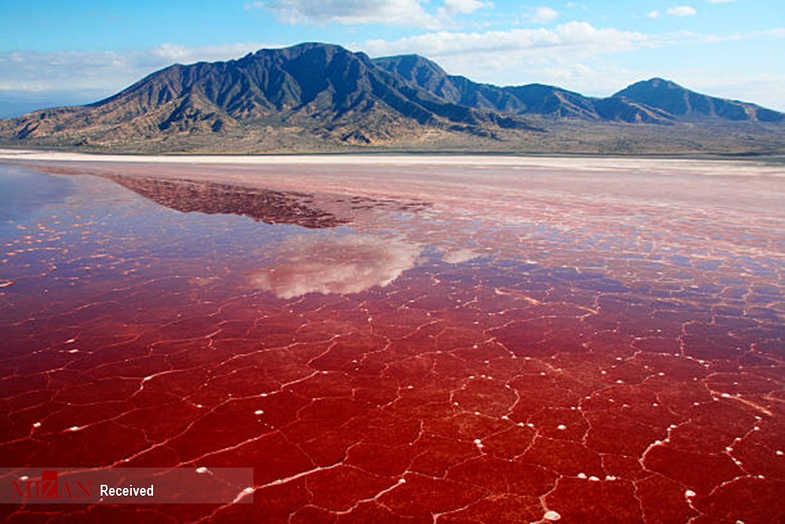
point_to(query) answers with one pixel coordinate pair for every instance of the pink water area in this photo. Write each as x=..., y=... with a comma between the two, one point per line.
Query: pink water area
x=571, y=346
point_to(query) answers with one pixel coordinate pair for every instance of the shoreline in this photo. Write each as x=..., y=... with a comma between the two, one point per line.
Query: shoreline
x=704, y=166
x=731, y=187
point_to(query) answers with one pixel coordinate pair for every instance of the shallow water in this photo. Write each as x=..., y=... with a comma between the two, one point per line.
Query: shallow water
x=506, y=357
x=21, y=194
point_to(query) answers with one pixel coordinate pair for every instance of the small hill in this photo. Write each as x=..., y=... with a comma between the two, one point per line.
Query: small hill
x=682, y=103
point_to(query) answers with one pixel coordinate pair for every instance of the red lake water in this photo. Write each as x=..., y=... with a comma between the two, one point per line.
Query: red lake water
x=436, y=343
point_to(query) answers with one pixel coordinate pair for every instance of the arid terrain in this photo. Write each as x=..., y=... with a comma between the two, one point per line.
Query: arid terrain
x=318, y=98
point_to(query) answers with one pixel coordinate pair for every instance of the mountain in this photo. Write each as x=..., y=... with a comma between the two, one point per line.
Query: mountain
x=685, y=104
x=652, y=101
x=421, y=72
x=322, y=97
x=536, y=99
x=318, y=87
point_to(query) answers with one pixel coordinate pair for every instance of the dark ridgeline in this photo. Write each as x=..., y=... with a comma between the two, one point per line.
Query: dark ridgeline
x=685, y=104
x=649, y=101
x=325, y=94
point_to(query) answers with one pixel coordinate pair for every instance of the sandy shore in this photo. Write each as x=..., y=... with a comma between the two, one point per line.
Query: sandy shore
x=663, y=165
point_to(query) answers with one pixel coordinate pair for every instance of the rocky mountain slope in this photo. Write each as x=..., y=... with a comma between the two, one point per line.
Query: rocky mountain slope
x=317, y=97
x=685, y=104
x=650, y=101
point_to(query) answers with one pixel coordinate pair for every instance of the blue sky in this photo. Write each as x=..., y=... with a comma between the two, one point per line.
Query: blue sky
x=80, y=50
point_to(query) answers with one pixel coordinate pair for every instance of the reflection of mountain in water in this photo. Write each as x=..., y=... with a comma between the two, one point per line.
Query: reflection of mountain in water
x=272, y=207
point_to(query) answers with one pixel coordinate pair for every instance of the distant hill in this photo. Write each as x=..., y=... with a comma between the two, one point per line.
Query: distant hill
x=317, y=97
x=651, y=101
x=685, y=104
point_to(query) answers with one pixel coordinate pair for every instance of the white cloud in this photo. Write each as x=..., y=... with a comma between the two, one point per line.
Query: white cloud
x=653, y=14
x=183, y=54
x=391, y=12
x=681, y=10
x=565, y=39
x=778, y=32
x=764, y=89
x=397, y=12
x=452, y=7
x=101, y=71
x=543, y=15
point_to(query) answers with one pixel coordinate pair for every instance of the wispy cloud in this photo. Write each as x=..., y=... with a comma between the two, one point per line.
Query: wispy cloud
x=682, y=10
x=653, y=14
x=101, y=70
x=353, y=12
x=453, y=7
x=401, y=12
x=572, y=37
x=543, y=15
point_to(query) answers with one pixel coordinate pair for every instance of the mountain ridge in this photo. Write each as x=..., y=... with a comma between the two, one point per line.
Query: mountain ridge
x=676, y=100
x=635, y=103
x=317, y=96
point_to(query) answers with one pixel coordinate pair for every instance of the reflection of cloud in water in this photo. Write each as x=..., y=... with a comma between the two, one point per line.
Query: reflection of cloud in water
x=335, y=264
x=459, y=256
